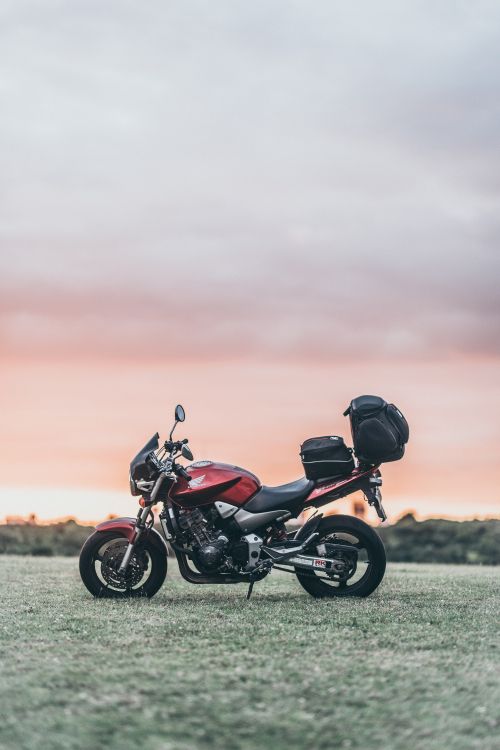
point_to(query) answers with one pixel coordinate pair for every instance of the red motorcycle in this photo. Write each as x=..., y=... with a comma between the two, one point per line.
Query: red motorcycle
x=225, y=527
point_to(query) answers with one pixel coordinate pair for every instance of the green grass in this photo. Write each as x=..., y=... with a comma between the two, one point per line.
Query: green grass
x=416, y=665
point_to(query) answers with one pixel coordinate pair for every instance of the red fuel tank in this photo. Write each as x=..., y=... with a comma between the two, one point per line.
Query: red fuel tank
x=212, y=481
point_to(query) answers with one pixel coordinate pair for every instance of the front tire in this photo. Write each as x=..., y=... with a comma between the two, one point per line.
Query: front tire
x=347, y=531
x=100, y=558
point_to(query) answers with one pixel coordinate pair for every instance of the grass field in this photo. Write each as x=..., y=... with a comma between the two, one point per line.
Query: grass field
x=414, y=666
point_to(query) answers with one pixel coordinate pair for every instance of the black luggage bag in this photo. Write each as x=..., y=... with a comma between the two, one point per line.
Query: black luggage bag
x=324, y=457
x=379, y=430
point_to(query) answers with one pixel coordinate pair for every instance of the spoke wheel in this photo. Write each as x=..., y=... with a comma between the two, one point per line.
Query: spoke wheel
x=359, y=560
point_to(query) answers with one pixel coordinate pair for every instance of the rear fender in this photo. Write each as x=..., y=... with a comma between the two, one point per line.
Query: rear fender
x=126, y=527
x=309, y=527
x=327, y=490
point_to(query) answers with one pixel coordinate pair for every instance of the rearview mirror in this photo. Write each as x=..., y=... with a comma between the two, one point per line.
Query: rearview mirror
x=186, y=452
x=180, y=414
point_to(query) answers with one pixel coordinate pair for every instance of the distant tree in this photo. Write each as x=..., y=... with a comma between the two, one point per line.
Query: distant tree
x=408, y=540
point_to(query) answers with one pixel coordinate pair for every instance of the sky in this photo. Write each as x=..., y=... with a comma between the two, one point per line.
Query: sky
x=260, y=210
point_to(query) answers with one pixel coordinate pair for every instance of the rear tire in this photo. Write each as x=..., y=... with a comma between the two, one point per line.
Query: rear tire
x=153, y=558
x=348, y=528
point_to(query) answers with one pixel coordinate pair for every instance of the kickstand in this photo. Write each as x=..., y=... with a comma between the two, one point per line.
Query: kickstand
x=264, y=566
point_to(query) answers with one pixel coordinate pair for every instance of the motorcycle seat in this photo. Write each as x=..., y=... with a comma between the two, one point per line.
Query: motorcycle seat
x=282, y=497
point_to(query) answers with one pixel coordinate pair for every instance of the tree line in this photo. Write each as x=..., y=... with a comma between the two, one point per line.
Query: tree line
x=408, y=540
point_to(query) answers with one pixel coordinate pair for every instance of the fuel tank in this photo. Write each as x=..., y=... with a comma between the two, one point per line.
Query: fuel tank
x=212, y=481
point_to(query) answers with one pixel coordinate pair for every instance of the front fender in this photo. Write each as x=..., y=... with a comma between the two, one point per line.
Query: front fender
x=127, y=527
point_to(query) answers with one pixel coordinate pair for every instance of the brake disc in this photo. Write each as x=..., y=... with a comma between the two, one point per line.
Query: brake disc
x=110, y=565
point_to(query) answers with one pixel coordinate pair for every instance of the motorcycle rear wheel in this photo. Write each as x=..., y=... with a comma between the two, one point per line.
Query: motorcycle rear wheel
x=351, y=532
x=100, y=558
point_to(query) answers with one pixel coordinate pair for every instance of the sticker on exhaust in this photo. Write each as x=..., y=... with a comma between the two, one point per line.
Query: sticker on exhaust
x=319, y=563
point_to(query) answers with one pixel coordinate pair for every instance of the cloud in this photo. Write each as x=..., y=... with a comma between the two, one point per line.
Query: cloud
x=322, y=312
x=249, y=181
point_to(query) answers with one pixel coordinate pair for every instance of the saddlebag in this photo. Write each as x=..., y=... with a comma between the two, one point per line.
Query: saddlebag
x=379, y=430
x=324, y=457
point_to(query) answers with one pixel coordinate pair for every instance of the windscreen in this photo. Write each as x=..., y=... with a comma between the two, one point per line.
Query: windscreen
x=151, y=445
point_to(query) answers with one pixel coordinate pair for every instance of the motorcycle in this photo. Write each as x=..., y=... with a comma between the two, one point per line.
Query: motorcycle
x=225, y=527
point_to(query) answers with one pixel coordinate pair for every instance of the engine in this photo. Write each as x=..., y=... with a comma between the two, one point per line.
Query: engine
x=209, y=544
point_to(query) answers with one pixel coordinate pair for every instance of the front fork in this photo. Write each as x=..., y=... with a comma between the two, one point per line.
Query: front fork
x=139, y=528
x=140, y=525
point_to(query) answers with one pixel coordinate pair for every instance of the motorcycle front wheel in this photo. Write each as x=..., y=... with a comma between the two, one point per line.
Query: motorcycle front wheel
x=359, y=559
x=100, y=560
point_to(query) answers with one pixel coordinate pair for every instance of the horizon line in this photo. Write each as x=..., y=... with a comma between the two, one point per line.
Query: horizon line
x=18, y=520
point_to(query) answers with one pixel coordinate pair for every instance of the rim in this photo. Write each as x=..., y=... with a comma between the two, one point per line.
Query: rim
x=356, y=565
x=106, y=562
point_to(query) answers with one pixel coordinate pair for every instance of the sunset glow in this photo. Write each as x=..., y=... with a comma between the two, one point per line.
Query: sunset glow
x=259, y=236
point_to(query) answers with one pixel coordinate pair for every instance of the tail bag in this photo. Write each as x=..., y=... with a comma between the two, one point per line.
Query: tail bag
x=324, y=457
x=379, y=430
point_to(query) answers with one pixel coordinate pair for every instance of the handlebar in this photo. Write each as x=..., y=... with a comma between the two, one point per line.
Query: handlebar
x=175, y=445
